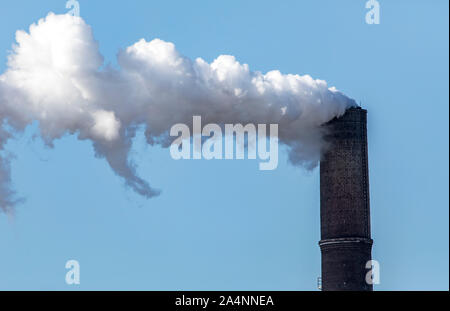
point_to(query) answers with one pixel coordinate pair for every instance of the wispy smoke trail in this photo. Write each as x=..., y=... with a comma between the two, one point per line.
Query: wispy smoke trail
x=54, y=77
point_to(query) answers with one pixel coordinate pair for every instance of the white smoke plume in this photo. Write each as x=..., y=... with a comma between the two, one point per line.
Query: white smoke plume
x=54, y=77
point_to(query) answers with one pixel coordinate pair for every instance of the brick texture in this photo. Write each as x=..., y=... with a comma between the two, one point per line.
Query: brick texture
x=344, y=204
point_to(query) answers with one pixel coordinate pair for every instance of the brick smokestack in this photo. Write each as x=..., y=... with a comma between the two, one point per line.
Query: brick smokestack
x=346, y=244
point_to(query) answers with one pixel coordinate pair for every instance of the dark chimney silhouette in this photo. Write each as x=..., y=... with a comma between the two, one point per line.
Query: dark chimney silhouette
x=346, y=243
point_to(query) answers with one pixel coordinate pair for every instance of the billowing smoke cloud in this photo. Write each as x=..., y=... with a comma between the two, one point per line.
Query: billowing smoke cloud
x=54, y=77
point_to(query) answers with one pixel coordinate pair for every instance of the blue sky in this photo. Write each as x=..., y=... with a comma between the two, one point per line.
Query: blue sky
x=225, y=225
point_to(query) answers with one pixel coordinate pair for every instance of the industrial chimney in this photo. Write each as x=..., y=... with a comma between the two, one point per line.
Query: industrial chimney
x=346, y=244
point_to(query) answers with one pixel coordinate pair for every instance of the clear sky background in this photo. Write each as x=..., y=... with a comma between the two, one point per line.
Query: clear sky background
x=225, y=225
